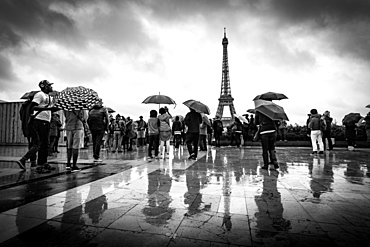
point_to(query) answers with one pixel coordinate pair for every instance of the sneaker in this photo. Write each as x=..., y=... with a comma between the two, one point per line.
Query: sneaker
x=33, y=164
x=191, y=156
x=156, y=157
x=68, y=167
x=75, y=169
x=321, y=152
x=149, y=158
x=49, y=167
x=22, y=164
x=314, y=153
x=97, y=160
x=276, y=166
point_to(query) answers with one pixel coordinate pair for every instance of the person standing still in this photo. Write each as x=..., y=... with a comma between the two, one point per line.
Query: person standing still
x=39, y=128
x=192, y=120
x=141, y=130
x=164, y=131
x=98, y=123
x=153, y=132
x=55, y=125
x=316, y=136
x=75, y=137
x=326, y=134
x=177, y=129
x=218, y=128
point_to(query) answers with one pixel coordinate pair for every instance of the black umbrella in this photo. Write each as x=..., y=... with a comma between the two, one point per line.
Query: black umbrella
x=159, y=99
x=271, y=96
x=197, y=106
x=273, y=111
x=351, y=118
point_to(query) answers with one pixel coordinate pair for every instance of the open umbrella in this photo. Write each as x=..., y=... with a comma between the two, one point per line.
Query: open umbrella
x=159, y=99
x=181, y=118
x=273, y=111
x=205, y=119
x=32, y=93
x=271, y=96
x=241, y=118
x=368, y=106
x=77, y=98
x=110, y=110
x=253, y=111
x=351, y=118
x=197, y=106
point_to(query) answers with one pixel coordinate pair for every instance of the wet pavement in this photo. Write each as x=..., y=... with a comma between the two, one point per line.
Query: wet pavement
x=221, y=199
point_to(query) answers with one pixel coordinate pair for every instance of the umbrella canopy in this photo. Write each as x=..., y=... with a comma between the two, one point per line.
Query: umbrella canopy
x=159, y=99
x=241, y=118
x=197, y=106
x=110, y=110
x=368, y=106
x=77, y=98
x=273, y=111
x=351, y=118
x=253, y=111
x=205, y=119
x=271, y=96
x=32, y=93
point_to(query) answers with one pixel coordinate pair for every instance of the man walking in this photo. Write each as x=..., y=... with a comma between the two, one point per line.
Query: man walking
x=39, y=127
x=192, y=119
x=98, y=123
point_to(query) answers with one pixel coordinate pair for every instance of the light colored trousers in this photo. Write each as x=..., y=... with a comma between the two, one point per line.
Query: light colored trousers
x=316, y=136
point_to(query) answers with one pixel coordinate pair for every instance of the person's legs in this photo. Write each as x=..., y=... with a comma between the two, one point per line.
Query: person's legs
x=319, y=140
x=116, y=136
x=156, y=145
x=237, y=139
x=195, y=144
x=161, y=147
x=271, y=148
x=314, y=134
x=189, y=141
x=265, y=151
x=151, y=142
x=51, y=146
x=93, y=136
x=56, y=144
x=168, y=147
x=77, y=138
x=98, y=142
x=43, y=132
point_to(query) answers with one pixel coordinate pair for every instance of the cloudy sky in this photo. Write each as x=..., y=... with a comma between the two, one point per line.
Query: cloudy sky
x=316, y=52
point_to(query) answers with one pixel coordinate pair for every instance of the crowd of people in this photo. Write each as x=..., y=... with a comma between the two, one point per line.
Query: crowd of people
x=195, y=130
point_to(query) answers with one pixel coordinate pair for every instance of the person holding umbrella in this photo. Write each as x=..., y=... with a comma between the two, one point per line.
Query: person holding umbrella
x=192, y=120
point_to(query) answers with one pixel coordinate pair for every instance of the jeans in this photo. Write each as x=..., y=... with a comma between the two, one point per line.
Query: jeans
x=97, y=138
x=316, y=137
x=153, y=144
x=39, y=133
x=117, y=141
x=217, y=139
x=192, y=140
x=268, y=148
x=203, y=142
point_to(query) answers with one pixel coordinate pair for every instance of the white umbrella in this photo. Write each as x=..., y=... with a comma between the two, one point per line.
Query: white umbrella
x=241, y=118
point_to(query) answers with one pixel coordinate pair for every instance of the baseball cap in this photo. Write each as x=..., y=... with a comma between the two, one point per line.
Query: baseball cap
x=44, y=83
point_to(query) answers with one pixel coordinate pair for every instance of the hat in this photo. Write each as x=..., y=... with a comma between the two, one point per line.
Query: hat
x=44, y=83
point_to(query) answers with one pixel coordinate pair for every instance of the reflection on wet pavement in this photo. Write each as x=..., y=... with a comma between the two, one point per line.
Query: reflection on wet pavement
x=222, y=199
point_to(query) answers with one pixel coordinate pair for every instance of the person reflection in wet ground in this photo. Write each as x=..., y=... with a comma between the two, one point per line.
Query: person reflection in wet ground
x=159, y=185
x=321, y=172
x=270, y=209
x=192, y=197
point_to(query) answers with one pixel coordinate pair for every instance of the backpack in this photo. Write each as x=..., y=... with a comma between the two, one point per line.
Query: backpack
x=322, y=124
x=24, y=114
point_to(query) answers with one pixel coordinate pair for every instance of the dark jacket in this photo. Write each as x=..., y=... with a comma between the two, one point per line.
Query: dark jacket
x=98, y=118
x=265, y=122
x=193, y=119
x=176, y=126
x=328, y=121
x=218, y=127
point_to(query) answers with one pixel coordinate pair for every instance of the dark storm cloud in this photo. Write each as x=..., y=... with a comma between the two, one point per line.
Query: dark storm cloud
x=6, y=74
x=22, y=19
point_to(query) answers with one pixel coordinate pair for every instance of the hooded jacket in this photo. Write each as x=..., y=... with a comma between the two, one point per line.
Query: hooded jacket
x=314, y=123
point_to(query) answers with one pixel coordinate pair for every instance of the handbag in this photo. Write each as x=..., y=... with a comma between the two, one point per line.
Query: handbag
x=257, y=135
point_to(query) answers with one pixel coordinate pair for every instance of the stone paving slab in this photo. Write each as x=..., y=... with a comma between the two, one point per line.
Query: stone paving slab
x=222, y=199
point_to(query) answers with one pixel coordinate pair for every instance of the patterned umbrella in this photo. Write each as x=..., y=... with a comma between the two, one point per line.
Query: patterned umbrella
x=77, y=98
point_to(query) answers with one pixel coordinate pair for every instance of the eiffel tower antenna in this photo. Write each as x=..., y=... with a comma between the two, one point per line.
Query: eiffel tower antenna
x=225, y=98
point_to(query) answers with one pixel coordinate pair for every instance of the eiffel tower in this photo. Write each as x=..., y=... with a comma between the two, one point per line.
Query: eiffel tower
x=225, y=98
